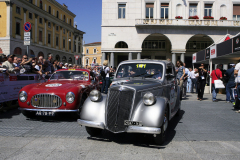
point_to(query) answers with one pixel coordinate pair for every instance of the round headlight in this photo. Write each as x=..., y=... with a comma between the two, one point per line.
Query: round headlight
x=148, y=99
x=70, y=97
x=95, y=95
x=23, y=96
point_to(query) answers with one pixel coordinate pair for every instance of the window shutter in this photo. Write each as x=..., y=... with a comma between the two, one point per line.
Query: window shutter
x=150, y=5
x=236, y=9
x=164, y=4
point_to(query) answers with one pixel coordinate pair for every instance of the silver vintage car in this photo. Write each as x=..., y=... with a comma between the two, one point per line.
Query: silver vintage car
x=142, y=98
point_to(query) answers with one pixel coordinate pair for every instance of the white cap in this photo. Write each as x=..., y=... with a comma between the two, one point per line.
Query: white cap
x=232, y=64
x=65, y=64
x=70, y=65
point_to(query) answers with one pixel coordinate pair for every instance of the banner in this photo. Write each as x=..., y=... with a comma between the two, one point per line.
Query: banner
x=213, y=51
x=10, y=86
x=236, y=44
x=194, y=58
x=207, y=56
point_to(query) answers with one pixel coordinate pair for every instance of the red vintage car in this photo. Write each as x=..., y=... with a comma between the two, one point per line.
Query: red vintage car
x=65, y=91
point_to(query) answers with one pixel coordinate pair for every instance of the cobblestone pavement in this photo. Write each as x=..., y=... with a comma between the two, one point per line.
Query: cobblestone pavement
x=205, y=130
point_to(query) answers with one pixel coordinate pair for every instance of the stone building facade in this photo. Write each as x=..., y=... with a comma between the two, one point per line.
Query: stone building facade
x=161, y=29
x=53, y=30
x=92, y=54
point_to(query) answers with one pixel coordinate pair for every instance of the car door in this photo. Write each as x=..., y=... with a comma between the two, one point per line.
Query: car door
x=172, y=86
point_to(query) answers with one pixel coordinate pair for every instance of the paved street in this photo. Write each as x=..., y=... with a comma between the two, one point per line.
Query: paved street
x=205, y=130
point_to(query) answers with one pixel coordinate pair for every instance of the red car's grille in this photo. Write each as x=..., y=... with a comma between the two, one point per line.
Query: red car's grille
x=46, y=101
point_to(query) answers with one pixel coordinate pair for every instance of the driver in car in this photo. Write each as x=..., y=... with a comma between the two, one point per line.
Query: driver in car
x=158, y=74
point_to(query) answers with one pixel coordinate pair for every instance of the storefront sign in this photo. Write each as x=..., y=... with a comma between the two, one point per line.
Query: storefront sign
x=207, y=53
x=224, y=48
x=236, y=44
x=213, y=52
x=194, y=58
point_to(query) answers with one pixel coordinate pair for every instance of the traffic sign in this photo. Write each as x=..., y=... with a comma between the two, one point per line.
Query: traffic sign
x=76, y=57
x=27, y=27
x=27, y=39
x=27, y=34
x=26, y=43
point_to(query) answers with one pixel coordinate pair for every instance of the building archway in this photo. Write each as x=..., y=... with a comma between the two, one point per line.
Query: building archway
x=57, y=57
x=196, y=43
x=40, y=54
x=121, y=44
x=156, y=46
x=64, y=59
x=17, y=51
x=70, y=60
x=32, y=53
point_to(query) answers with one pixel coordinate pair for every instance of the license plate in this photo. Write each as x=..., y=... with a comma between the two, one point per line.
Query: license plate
x=132, y=123
x=44, y=113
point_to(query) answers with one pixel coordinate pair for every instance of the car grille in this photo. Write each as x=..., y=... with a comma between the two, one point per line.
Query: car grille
x=119, y=108
x=46, y=101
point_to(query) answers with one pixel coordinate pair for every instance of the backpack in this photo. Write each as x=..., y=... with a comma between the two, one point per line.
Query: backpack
x=103, y=74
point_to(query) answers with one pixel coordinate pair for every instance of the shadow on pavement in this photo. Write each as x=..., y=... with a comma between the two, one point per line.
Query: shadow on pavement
x=9, y=113
x=141, y=140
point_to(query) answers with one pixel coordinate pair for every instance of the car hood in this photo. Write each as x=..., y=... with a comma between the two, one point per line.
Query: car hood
x=57, y=86
x=138, y=84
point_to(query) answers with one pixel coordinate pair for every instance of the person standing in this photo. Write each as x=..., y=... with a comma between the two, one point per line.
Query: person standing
x=230, y=84
x=215, y=75
x=194, y=77
x=105, y=77
x=237, y=80
x=189, y=81
x=185, y=81
x=180, y=74
x=11, y=68
x=201, y=81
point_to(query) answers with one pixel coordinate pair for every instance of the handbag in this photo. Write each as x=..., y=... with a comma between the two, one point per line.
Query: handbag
x=218, y=83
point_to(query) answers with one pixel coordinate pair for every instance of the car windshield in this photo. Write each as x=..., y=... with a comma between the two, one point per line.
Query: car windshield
x=69, y=75
x=148, y=70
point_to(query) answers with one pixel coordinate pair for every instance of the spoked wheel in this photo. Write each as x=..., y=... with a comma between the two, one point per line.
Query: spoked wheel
x=28, y=114
x=160, y=138
x=93, y=131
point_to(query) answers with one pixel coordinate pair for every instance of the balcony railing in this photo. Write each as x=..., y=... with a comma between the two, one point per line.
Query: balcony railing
x=187, y=22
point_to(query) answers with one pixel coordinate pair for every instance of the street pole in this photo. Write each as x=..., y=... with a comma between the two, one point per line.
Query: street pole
x=28, y=50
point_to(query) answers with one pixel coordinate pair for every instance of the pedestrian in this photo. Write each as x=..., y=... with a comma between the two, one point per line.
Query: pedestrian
x=201, y=81
x=26, y=64
x=215, y=75
x=185, y=80
x=230, y=83
x=194, y=78
x=180, y=69
x=105, y=77
x=189, y=81
x=10, y=67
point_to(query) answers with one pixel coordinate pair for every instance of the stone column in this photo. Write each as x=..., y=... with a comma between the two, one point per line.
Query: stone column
x=103, y=57
x=138, y=55
x=24, y=17
x=45, y=32
x=183, y=57
x=53, y=35
x=36, y=20
x=9, y=18
x=130, y=56
x=174, y=58
x=112, y=60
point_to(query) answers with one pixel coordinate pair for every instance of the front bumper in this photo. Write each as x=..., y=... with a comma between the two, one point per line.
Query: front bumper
x=130, y=129
x=47, y=110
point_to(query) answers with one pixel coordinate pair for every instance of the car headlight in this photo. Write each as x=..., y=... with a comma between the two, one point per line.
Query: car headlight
x=95, y=95
x=149, y=99
x=23, y=96
x=70, y=97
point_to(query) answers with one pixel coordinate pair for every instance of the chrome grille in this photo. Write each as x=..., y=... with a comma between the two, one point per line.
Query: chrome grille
x=119, y=108
x=47, y=101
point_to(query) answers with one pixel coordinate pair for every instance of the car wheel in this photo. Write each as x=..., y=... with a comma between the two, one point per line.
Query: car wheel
x=160, y=138
x=93, y=131
x=28, y=114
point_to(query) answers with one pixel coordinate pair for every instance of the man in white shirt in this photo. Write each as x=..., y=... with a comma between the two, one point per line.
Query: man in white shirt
x=194, y=76
x=189, y=81
x=237, y=81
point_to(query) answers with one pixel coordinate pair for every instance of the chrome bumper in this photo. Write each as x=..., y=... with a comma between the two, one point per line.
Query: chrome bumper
x=47, y=110
x=130, y=129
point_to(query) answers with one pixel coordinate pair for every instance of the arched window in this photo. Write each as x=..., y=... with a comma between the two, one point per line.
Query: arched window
x=64, y=18
x=94, y=60
x=64, y=59
x=223, y=10
x=179, y=10
x=49, y=9
x=70, y=22
x=40, y=54
x=17, y=51
x=121, y=44
x=87, y=61
x=57, y=14
x=69, y=60
x=40, y=5
x=32, y=53
x=57, y=57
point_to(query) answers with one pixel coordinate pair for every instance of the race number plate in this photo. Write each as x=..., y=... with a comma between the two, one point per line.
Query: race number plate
x=44, y=113
x=132, y=123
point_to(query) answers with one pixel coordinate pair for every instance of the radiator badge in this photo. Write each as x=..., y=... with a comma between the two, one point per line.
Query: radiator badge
x=54, y=85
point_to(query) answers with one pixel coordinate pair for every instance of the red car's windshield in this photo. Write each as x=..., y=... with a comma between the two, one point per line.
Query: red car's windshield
x=69, y=75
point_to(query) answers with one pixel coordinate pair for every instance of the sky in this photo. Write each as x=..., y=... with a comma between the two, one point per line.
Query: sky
x=88, y=17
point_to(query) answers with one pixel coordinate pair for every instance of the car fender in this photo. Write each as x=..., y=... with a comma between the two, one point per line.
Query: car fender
x=94, y=111
x=151, y=116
